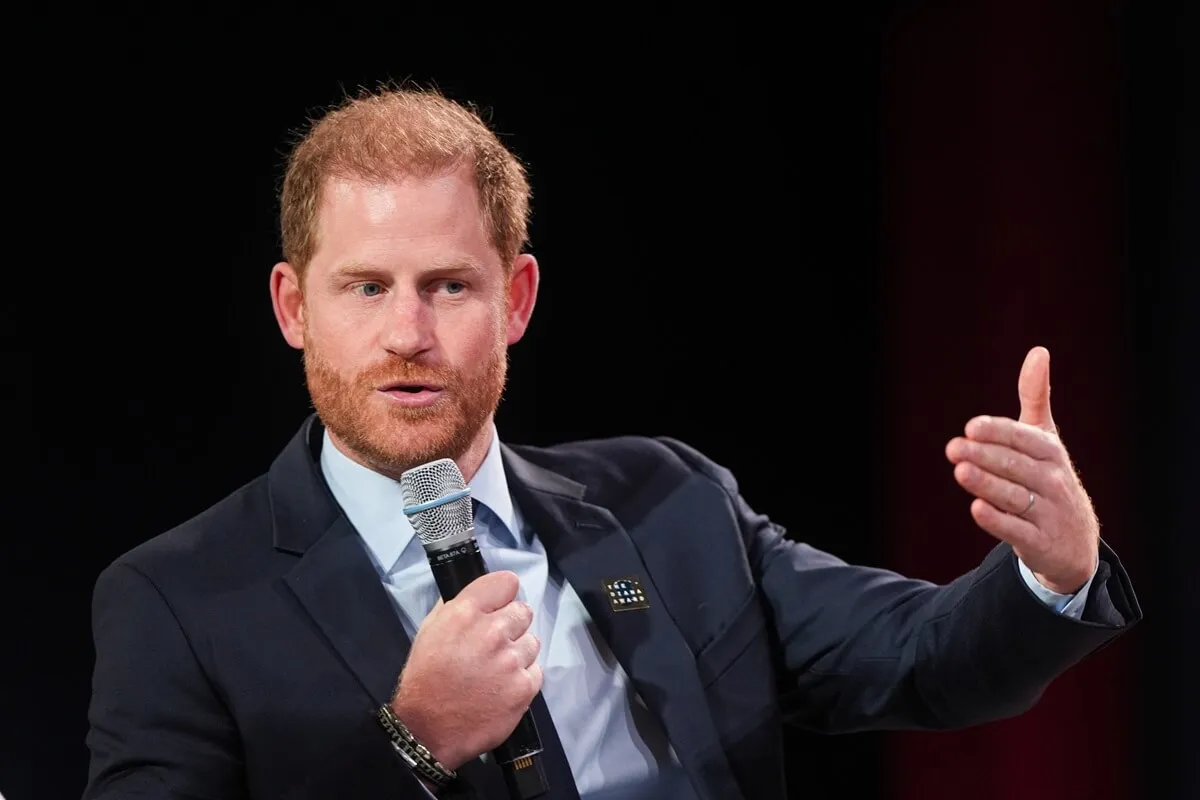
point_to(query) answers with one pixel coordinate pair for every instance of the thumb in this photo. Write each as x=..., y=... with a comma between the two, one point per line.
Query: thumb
x=1033, y=387
x=492, y=590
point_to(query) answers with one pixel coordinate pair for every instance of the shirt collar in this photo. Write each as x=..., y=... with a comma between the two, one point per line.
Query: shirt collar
x=373, y=502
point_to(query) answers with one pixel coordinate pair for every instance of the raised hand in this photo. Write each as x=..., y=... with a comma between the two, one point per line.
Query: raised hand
x=1026, y=490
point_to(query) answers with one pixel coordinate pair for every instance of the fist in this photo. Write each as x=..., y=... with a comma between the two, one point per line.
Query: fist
x=472, y=671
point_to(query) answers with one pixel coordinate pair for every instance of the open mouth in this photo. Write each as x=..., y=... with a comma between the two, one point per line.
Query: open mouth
x=414, y=395
x=413, y=388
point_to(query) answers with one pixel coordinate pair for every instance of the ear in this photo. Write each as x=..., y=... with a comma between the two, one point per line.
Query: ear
x=522, y=295
x=287, y=297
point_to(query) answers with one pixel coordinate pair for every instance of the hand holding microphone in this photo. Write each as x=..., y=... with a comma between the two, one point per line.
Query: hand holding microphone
x=472, y=671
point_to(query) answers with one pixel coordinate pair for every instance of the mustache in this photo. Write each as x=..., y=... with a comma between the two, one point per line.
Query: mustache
x=407, y=372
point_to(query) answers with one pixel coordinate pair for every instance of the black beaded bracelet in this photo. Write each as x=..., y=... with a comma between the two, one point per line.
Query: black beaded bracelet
x=415, y=754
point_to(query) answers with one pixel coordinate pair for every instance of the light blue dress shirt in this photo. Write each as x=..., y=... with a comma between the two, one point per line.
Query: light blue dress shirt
x=609, y=738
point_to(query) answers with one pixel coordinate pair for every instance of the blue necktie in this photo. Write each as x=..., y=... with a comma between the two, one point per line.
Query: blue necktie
x=554, y=759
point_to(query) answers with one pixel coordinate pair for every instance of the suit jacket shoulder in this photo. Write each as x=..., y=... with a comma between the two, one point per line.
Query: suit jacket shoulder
x=210, y=546
x=621, y=471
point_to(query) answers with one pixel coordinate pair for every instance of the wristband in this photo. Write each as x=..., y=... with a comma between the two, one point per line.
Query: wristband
x=415, y=754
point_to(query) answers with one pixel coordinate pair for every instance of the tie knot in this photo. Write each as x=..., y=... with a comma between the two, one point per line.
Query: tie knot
x=489, y=528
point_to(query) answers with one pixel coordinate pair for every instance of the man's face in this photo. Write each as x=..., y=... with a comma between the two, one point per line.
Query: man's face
x=406, y=316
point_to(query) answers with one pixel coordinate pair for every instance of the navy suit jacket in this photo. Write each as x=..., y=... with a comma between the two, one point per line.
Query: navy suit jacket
x=242, y=654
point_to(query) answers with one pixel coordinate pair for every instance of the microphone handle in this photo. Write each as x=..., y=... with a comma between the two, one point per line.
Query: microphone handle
x=454, y=568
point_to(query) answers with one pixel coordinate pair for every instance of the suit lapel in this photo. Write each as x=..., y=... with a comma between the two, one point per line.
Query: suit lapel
x=591, y=547
x=338, y=587
x=341, y=591
x=334, y=579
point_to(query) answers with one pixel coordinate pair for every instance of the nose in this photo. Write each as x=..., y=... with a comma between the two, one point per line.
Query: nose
x=409, y=331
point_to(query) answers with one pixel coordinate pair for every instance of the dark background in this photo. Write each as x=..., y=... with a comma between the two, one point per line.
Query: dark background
x=812, y=243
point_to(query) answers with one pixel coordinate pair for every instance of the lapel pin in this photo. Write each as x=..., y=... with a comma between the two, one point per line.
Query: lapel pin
x=625, y=594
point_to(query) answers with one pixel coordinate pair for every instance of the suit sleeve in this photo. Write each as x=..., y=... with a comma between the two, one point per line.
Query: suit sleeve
x=867, y=649
x=158, y=728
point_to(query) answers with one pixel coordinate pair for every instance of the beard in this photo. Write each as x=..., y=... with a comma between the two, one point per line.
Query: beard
x=391, y=439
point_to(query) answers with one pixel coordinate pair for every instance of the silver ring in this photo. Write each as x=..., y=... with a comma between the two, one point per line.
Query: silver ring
x=1028, y=508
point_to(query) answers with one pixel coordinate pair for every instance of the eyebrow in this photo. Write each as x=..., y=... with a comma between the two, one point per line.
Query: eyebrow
x=441, y=266
x=460, y=264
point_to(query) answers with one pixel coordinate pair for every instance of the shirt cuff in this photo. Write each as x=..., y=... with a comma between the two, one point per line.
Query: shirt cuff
x=1070, y=605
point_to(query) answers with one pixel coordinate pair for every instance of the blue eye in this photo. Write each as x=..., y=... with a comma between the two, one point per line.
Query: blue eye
x=455, y=287
x=369, y=289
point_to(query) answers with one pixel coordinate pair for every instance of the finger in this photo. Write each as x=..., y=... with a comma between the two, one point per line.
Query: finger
x=998, y=460
x=1018, y=532
x=1020, y=436
x=514, y=619
x=492, y=591
x=1001, y=493
x=527, y=648
x=535, y=678
x=1033, y=389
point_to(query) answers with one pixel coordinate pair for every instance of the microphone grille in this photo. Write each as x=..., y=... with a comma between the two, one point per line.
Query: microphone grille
x=437, y=500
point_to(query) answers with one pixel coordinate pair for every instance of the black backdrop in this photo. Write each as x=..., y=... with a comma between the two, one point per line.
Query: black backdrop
x=710, y=192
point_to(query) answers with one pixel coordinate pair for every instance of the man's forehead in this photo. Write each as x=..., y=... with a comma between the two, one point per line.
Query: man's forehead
x=364, y=222
x=451, y=197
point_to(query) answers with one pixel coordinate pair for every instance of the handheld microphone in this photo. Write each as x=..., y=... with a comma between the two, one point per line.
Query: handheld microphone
x=438, y=504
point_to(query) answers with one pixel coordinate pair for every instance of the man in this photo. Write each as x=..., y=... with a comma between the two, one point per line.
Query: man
x=290, y=643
